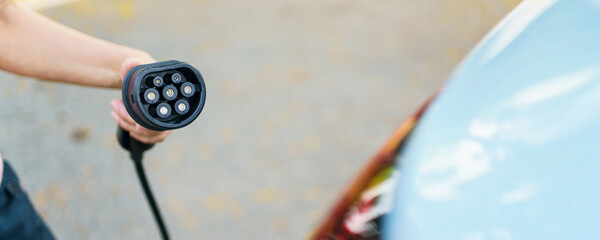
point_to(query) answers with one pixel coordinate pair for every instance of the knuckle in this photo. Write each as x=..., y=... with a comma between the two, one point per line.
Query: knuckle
x=127, y=124
x=123, y=125
x=123, y=114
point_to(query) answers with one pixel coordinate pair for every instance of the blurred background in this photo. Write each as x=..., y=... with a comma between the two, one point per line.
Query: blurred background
x=299, y=95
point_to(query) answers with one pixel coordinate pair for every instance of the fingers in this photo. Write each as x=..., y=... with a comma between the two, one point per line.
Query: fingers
x=127, y=65
x=126, y=126
x=119, y=109
x=156, y=138
x=121, y=116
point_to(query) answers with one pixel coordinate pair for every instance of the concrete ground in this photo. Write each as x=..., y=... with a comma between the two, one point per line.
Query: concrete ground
x=300, y=94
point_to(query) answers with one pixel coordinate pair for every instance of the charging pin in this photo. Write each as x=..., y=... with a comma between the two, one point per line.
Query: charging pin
x=170, y=92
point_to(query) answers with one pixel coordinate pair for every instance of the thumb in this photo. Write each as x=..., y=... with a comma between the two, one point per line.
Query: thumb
x=127, y=65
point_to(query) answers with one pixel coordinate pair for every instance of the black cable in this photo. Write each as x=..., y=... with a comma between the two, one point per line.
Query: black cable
x=137, y=159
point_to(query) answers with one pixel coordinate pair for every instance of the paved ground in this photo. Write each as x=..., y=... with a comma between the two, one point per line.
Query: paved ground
x=300, y=94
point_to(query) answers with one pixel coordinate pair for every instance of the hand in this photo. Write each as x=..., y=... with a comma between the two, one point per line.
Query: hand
x=120, y=115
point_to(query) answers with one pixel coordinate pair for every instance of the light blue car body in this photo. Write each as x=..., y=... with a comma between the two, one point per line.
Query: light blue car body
x=511, y=147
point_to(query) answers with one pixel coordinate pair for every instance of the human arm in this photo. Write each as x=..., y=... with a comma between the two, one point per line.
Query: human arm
x=35, y=46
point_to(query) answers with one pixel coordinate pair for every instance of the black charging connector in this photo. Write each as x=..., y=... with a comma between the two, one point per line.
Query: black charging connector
x=159, y=96
x=151, y=92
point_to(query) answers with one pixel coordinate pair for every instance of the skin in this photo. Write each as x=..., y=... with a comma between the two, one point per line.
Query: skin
x=35, y=46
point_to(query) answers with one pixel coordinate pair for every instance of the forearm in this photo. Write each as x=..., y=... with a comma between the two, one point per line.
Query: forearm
x=35, y=46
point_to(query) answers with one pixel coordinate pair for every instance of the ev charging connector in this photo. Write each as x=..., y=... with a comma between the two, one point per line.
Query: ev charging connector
x=159, y=96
